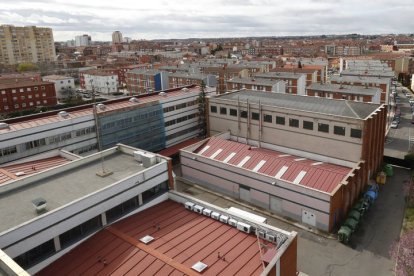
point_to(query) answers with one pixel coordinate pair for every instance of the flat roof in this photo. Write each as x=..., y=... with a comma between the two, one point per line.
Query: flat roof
x=279, y=75
x=369, y=73
x=358, y=78
x=257, y=81
x=181, y=239
x=175, y=149
x=321, y=176
x=345, y=89
x=87, y=110
x=12, y=83
x=343, y=108
x=62, y=188
x=56, y=77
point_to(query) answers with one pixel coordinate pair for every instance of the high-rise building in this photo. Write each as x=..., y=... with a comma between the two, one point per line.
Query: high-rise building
x=26, y=44
x=116, y=37
x=83, y=40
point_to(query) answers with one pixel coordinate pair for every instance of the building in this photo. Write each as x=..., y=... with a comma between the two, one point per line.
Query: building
x=256, y=84
x=345, y=92
x=83, y=40
x=23, y=94
x=26, y=44
x=64, y=85
x=183, y=79
x=153, y=122
x=104, y=82
x=61, y=206
x=117, y=37
x=144, y=81
x=295, y=82
x=341, y=133
x=311, y=74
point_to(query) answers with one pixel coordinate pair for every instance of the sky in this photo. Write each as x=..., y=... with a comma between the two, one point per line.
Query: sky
x=179, y=19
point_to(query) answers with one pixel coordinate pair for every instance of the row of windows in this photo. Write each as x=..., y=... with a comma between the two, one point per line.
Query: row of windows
x=121, y=123
x=60, y=137
x=85, y=131
x=183, y=132
x=179, y=120
x=179, y=106
x=47, y=249
x=280, y=120
x=8, y=151
x=16, y=106
x=15, y=98
x=28, y=89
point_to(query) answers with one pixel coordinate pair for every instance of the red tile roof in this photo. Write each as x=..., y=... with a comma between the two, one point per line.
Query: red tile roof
x=321, y=176
x=8, y=173
x=181, y=239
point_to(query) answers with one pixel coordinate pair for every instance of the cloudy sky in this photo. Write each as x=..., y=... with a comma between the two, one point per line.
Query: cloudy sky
x=152, y=19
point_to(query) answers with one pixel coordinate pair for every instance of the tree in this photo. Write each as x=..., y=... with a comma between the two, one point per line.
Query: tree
x=202, y=118
x=27, y=66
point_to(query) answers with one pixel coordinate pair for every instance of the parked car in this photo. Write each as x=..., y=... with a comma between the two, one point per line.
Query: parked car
x=394, y=124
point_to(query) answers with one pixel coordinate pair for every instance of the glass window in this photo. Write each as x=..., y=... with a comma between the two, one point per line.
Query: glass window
x=77, y=233
x=243, y=114
x=223, y=110
x=280, y=120
x=36, y=255
x=233, y=112
x=255, y=116
x=148, y=195
x=308, y=125
x=213, y=109
x=356, y=133
x=323, y=127
x=293, y=122
x=338, y=130
x=267, y=118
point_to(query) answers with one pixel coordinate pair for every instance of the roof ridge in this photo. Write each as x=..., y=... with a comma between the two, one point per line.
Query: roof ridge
x=353, y=111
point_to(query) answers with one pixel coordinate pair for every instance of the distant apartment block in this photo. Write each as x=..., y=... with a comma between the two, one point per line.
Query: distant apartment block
x=23, y=94
x=117, y=37
x=295, y=82
x=143, y=81
x=256, y=84
x=64, y=86
x=311, y=74
x=83, y=40
x=100, y=81
x=26, y=44
x=181, y=79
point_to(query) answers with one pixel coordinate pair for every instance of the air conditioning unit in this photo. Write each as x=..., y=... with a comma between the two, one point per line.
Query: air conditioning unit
x=261, y=234
x=101, y=106
x=232, y=222
x=271, y=238
x=207, y=212
x=244, y=227
x=189, y=205
x=198, y=209
x=138, y=155
x=224, y=219
x=147, y=159
x=215, y=215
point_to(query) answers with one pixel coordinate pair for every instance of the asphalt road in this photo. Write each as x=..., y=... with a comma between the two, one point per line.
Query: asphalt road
x=367, y=253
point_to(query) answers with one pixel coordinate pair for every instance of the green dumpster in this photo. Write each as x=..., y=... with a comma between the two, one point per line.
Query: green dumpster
x=355, y=215
x=351, y=223
x=344, y=234
x=388, y=170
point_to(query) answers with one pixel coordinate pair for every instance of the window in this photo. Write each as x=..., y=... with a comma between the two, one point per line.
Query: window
x=35, y=143
x=45, y=101
x=280, y=120
x=4, y=100
x=169, y=123
x=23, y=97
x=323, y=127
x=43, y=88
x=30, y=96
x=122, y=209
x=8, y=150
x=16, y=106
x=43, y=94
x=180, y=106
x=3, y=92
x=28, y=89
x=267, y=118
x=223, y=111
x=243, y=114
x=356, y=133
x=181, y=119
x=233, y=112
x=13, y=90
x=308, y=125
x=168, y=109
x=213, y=109
x=36, y=255
x=37, y=95
x=23, y=104
x=338, y=130
x=148, y=195
x=77, y=233
x=255, y=116
x=21, y=89
x=293, y=122
x=36, y=88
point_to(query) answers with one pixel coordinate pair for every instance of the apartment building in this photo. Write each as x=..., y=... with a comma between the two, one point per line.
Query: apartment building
x=311, y=74
x=345, y=92
x=23, y=94
x=117, y=37
x=295, y=82
x=152, y=122
x=64, y=85
x=183, y=79
x=144, y=81
x=83, y=40
x=103, y=81
x=26, y=44
x=256, y=84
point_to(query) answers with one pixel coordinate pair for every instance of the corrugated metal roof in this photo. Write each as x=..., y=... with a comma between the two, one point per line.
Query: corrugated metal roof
x=344, y=89
x=342, y=108
x=309, y=173
x=181, y=239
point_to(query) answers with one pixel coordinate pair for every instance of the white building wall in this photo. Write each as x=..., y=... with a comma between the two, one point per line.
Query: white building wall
x=102, y=84
x=62, y=85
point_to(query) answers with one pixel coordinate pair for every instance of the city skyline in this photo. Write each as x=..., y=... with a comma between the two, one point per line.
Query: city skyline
x=214, y=18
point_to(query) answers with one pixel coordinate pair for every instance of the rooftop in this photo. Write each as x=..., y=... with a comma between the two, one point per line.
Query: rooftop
x=279, y=75
x=149, y=72
x=62, y=185
x=321, y=176
x=56, y=77
x=257, y=81
x=342, y=108
x=17, y=83
x=345, y=89
x=181, y=239
x=357, y=79
x=369, y=73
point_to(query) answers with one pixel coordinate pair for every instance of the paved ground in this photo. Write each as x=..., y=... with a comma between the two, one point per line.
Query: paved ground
x=367, y=253
x=396, y=144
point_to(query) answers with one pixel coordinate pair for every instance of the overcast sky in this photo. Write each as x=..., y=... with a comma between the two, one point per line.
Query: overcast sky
x=152, y=19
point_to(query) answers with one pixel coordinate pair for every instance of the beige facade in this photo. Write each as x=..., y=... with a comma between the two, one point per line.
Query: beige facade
x=26, y=44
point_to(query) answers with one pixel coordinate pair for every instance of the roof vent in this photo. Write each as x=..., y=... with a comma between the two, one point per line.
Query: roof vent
x=133, y=100
x=162, y=94
x=63, y=114
x=101, y=106
x=39, y=204
x=185, y=89
x=199, y=266
x=19, y=173
x=4, y=126
x=147, y=239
